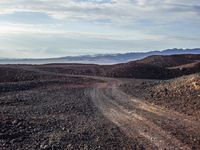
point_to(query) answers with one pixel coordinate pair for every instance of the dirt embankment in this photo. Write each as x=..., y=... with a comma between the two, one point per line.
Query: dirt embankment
x=179, y=94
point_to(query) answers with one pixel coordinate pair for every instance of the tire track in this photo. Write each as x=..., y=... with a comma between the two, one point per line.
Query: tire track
x=134, y=118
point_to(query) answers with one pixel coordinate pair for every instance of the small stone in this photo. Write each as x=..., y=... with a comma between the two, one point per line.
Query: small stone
x=44, y=145
x=63, y=128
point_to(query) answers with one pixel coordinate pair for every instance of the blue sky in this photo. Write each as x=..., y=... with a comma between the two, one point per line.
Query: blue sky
x=53, y=28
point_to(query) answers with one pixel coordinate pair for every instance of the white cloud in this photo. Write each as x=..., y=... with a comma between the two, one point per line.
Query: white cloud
x=117, y=24
x=115, y=10
x=44, y=30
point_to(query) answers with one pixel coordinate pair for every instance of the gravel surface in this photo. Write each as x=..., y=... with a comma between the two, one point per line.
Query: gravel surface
x=55, y=114
x=48, y=110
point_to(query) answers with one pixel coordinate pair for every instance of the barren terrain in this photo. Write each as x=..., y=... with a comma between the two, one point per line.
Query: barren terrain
x=74, y=106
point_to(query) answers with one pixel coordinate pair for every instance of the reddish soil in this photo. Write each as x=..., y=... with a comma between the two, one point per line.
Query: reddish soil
x=171, y=60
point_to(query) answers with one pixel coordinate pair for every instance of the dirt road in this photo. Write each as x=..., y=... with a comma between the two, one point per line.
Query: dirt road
x=139, y=119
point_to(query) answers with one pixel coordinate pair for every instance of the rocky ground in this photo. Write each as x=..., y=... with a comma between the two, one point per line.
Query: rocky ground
x=48, y=109
x=180, y=94
x=55, y=114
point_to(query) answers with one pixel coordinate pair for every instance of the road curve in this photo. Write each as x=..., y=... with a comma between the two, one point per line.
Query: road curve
x=139, y=119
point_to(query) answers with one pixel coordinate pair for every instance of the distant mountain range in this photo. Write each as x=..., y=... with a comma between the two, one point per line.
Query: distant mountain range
x=101, y=58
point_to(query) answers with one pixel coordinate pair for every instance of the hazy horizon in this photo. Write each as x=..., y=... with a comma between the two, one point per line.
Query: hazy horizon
x=56, y=28
x=170, y=51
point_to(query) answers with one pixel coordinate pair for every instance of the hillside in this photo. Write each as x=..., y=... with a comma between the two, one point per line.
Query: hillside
x=171, y=60
x=179, y=94
x=157, y=67
x=153, y=67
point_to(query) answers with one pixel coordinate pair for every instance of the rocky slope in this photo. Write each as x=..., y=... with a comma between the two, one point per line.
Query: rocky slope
x=180, y=94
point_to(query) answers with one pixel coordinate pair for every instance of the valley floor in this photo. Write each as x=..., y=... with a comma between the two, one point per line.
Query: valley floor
x=50, y=110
